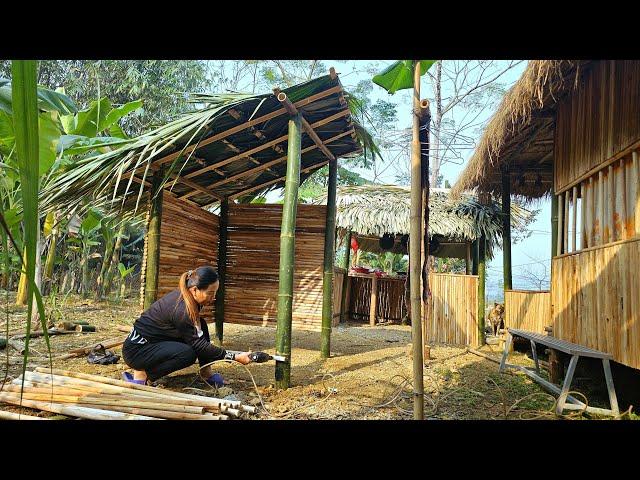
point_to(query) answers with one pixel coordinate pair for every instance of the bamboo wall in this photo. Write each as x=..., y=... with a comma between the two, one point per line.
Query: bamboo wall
x=253, y=256
x=338, y=277
x=597, y=121
x=527, y=310
x=188, y=239
x=390, y=302
x=453, y=307
x=596, y=301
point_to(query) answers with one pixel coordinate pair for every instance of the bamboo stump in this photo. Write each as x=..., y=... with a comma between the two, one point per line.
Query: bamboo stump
x=374, y=301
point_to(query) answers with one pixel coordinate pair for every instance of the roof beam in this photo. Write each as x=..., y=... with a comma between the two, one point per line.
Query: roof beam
x=342, y=113
x=276, y=180
x=274, y=162
x=292, y=110
x=239, y=128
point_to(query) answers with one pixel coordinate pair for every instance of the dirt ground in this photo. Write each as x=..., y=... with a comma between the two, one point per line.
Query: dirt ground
x=369, y=375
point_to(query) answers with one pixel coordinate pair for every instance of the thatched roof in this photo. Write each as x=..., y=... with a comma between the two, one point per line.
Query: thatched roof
x=519, y=136
x=375, y=210
x=232, y=146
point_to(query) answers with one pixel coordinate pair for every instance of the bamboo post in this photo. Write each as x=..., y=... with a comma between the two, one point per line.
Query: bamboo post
x=565, y=223
x=574, y=195
x=414, y=250
x=329, y=260
x=153, y=236
x=481, y=287
x=346, y=284
x=424, y=119
x=287, y=254
x=467, y=262
x=506, y=228
x=374, y=301
x=222, y=269
x=636, y=176
x=560, y=223
x=474, y=257
x=554, y=226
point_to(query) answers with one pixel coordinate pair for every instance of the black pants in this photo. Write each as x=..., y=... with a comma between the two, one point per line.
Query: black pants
x=158, y=359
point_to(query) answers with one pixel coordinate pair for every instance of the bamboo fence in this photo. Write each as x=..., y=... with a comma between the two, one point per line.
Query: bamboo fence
x=452, y=310
x=390, y=299
x=527, y=310
x=595, y=299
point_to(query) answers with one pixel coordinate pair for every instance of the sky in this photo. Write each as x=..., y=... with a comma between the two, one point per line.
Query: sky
x=527, y=254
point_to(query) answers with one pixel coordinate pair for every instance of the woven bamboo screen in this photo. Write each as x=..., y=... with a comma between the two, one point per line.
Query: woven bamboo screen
x=390, y=299
x=253, y=256
x=527, y=310
x=188, y=239
x=595, y=299
x=598, y=121
x=453, y=309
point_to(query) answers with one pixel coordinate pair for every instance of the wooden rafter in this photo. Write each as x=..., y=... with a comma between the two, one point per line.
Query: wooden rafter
x=292, y=110
x=276, y=180
x=239, y=128
x=274, y=162
x=319, y=123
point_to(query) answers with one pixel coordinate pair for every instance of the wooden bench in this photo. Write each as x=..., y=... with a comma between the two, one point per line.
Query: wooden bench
x=576, y=351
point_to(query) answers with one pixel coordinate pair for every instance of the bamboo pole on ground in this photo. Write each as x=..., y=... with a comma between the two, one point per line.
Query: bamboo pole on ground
x=222, y=268
x=506, y=228
x=329, y=260
x=414, y=251
x=71, y=410
x=18, y=416
x=153, y=244
x=287, y=254
x=346, y=284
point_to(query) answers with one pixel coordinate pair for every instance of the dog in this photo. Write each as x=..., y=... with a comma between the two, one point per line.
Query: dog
x=496, y=317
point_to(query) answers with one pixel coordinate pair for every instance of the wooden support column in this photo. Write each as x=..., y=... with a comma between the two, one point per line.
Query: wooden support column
x=554, y=225
x=153, y=240
x=373, y=307
x=329, y=260
x=287, y=254
x=474, y=257
x=506, y=228
x=222, y=268
x=414, y=250
x=346, y=282
x=468, y=260
x=481, y=287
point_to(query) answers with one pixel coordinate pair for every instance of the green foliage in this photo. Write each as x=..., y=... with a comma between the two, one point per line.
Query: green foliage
x=399, y=75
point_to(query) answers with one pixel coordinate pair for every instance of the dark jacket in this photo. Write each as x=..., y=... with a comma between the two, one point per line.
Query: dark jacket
x=167, y=320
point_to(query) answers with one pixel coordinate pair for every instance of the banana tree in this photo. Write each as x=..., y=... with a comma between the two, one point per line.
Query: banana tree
x=124, y=272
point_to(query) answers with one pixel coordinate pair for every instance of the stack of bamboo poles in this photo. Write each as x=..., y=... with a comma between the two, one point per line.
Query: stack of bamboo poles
x=100, y=398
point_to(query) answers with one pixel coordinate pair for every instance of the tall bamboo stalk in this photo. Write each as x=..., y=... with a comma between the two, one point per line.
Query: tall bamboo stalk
x=474, y=257
x=287, y=254
x=222, y=268
x=153, y=247
x=344, y=310
x=506, y=228
x=329, y=257
x=482, y=245
x=414, y=251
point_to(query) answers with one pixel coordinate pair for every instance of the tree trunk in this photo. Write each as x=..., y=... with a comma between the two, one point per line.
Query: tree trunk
x=85, y=268
x=506, y=228
x=153, y=245
x=437, y=124
x=106, y=263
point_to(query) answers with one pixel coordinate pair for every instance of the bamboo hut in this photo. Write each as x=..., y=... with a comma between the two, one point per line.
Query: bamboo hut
x=372, y=212
x=218, y=157
x=571, y=130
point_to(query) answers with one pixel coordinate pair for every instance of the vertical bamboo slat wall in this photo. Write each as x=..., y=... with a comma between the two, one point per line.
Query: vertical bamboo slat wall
x=597, y=121
x=453, y=308
x=390, y=301
x=596, y=299
x=188, y=239
x=253, y=257
x=527, y=310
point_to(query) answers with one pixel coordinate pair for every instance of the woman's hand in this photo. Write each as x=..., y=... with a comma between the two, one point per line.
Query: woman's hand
x=243, y=358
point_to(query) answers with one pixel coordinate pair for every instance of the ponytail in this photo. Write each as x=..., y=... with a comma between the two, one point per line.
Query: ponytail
x=200, y=278
x=190, y=303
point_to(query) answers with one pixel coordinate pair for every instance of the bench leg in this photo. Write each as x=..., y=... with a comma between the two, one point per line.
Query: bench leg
x=613, y=400
x=535, y=356
x=566, y=385
x=505, y=354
